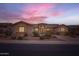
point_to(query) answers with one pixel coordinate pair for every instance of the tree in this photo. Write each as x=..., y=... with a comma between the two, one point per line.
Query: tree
x=8, y=33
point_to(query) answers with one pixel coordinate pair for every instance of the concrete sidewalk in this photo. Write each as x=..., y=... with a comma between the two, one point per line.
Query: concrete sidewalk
x=38, y=42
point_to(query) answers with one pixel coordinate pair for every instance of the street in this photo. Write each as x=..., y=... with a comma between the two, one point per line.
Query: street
x=39, y=49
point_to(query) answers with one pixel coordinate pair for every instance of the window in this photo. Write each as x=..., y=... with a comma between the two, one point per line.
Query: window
x=21, y=29
x=62, y=29
x=48, y=29
x=36, y=29
x=42, y=27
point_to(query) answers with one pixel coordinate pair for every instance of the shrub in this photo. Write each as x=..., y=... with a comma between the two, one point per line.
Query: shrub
x=54, y=37
x=13, y=38
x=8, y=33
x=35, y=34
x=20, y=38
x=41, y=38
x=25, y=35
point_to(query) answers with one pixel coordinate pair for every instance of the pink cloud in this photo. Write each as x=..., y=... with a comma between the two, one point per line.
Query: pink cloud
x=34, y=20
x=36, y=13
x=36, y=10
x=54, y=14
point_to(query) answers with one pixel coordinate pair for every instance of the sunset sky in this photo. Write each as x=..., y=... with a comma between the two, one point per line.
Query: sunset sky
x=52, y=13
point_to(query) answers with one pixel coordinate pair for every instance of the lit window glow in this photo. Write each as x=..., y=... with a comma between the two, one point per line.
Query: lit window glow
x=48, y=29
x=36, y=29
x=21, y=29
x=62, y=29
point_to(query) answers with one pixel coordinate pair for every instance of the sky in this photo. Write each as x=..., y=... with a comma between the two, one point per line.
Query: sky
x=33, y=13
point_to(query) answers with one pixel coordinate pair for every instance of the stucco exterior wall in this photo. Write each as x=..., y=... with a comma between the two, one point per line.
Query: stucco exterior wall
x=27, y=29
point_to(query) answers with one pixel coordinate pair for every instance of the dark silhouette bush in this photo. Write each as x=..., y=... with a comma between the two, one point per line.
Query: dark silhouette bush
x=20, y=38
x=41, y=38
x=35, y=34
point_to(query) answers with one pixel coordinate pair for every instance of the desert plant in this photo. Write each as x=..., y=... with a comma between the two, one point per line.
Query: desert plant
x=20, y=38
x=25, y=35
x=41, y=38
x=8, y=33
x=54, y=37
x=35, y=34
x=13, y=37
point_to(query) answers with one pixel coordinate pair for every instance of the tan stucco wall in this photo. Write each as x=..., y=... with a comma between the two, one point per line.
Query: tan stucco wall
x=27, y=29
